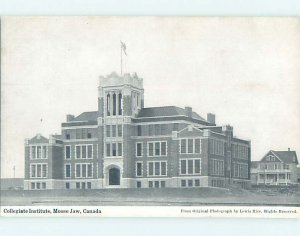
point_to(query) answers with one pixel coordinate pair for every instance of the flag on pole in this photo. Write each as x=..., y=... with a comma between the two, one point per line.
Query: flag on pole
x=123, y=47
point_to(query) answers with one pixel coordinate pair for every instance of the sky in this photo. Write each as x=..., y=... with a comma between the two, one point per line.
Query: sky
x=244, y=70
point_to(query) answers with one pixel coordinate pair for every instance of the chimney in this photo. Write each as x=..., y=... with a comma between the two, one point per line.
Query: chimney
x=211, y=118
x=188, y=111
x=70, y=118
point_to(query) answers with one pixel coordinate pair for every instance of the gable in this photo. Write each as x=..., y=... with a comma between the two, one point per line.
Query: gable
x=38, y=139
x=270, y=157
x=190, y=131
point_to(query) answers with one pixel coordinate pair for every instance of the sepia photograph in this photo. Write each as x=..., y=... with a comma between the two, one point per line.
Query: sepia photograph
x=193, y=114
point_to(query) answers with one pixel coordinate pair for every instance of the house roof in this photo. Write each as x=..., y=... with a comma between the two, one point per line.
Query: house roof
x=166, y=111
x=287, y=156
x=87, y=116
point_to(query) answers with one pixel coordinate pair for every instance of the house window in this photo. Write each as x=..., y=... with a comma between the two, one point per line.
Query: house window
x=67, y=136
x=32, y=185
x=89, y=135
x=156, y=184
x=197, y=145
x=39, y=152
x=190, y=166
x=114, y=149
x=119, y=130
x=157, y=148
x=190, y=145
x=197, y=182
x=38, y=185
x=183, y=183
x=190, y=183
x=107, y=130
x=139, y=130
x=113, y=130
x=67, y=185
x=68, y=171
x=120, y=147
x=84, y=170
x=89, y=185
x=150, y=149
x=139, y=148
x=43, y=185
x=77, y=185
x=84, y=151
x=39, y=170
x=114, y=104
x=157, y=168
x=138, y=184
x=108, y=104
x=108, y=149
x=218, y=167
x=150, y=183
x=44, y=152
x=183, y=146
x=139, y=169
x=120, y=104
x=67, y=152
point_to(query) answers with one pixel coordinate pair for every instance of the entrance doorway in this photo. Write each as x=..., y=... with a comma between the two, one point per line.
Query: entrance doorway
x=114, y=176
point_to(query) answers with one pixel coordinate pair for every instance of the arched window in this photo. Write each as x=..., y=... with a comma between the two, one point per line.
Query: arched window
x=114, y=104
x=120, y=103
x=108, y=104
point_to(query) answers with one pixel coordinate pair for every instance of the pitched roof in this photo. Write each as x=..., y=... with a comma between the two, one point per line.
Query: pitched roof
x=166, y=111
x=287, y=156
x=87, y=116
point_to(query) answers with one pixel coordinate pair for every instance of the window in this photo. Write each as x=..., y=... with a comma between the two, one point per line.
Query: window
x=240, y=170
x=120, y=104
x=77, y=185
x=162, y=184
x=39, y=170
x=156, y=184
x=139, y=148
x=218, y=167
x=67, y=185
x=138, y=184
x=68, y=171
x=190, y=146
x=67, y=152
x=190, y=183
x=89, y=135
x=120, y=147
x=139, y=169
x=197, y=182
x=84, y=151
x=157, y=148
x=33, y=152
x=139, y=130
x=38, y=185
x=114, y=104
x=114, y=149
x=119, y=130
x=67, y=136
x=113, y=130
x=107, y=130
x=157, y=168
x=84, y=170
x=43, y=185
x=183, y=183
x=108, y=105
x=32, y=186
x=190, y=166
x=183, y=146
x=44, y=152
x=216, y=147
x=89, y=185
x=150, y=184
x=150, y=149
x=38, y=152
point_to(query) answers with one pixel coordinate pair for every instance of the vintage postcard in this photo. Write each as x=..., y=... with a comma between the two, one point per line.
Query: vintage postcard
x=150, y=117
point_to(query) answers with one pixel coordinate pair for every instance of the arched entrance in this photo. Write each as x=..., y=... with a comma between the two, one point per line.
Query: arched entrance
x=114, y=176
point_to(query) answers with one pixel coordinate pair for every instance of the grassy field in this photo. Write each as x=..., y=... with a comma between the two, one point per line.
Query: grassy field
x=153, y=197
